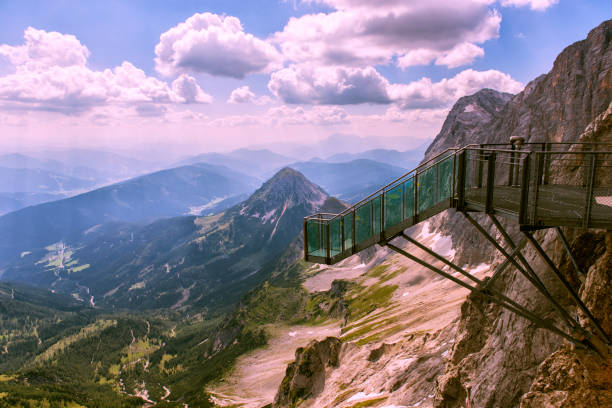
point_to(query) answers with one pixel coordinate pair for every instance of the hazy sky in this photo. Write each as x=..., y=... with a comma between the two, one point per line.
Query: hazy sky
x=191, y=76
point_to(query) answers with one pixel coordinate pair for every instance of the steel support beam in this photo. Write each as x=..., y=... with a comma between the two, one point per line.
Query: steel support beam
x=482, y=285
x=535, y=281
x=511, y=306
x=563, y=240
x=566, y=284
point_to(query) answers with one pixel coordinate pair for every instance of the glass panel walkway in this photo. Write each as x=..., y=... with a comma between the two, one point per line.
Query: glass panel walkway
x=543, y=185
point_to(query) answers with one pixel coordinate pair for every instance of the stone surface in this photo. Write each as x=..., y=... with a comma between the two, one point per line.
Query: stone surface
x=305, y=377
x=495, y=359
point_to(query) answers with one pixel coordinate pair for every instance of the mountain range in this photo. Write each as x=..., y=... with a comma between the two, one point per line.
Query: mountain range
x=189, y=189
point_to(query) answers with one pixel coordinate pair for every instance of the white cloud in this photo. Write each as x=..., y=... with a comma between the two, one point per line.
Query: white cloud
x=461, y=54
x=427, y=94
x=46, y=49
x=216, y=45
x=245, y=95
x=51, y=74
x=329, y=85
x=362, y=33
x=241, y=95
x=187, y=87
x=343, y=86
x=539, y=5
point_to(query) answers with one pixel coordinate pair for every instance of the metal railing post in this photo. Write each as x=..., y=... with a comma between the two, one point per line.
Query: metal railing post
x=524, y=190
x=461, y=181
x=354, y=243
x=589, y=190
x=382, y=216
x=306, y=240
x=490, y=182
x=416, y=197
x=328, y=244
x=480, y=165
x=342, y=246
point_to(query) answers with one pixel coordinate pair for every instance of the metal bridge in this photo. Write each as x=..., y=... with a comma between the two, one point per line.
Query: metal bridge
x=536, y=185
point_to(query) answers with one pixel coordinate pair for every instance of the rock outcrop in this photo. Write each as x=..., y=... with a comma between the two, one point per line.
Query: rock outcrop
x=467, y=119
x=305, y=377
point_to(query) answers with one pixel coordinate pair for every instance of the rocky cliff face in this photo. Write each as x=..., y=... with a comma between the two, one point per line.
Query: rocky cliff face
x=467, y=120
x=496, y=357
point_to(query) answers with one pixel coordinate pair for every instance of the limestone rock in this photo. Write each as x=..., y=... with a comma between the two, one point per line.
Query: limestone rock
x=305, y=377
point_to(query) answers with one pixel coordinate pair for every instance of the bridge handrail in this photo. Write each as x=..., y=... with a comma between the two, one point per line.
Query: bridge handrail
x=419, y=169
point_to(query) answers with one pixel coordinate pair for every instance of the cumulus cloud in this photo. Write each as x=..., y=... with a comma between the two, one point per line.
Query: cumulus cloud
x=216, y=45
x=51, y=74
x=46, y=49
x=329, y=85
x=362, y=33
x=343, y=86
x=245, y=95
x=459, y=55
x=427, y=94
x=187, y=88
x=539, y=5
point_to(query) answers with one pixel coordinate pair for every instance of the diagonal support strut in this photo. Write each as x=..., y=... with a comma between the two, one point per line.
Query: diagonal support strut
x=566, y=284
x=530, y=274
x=488, y=293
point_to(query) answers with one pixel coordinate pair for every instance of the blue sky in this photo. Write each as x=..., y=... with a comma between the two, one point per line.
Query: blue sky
x=389, y=69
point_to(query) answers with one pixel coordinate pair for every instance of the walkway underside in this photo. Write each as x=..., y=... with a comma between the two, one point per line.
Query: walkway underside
x=541, y=186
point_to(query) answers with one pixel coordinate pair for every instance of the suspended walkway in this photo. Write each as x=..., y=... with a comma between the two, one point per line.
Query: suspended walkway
x=535, y=185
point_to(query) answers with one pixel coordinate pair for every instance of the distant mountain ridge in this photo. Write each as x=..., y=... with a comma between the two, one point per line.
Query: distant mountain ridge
x=405, y=159
x=183, y=190
x=350, y=181
x=23, y=180
x=258, y=163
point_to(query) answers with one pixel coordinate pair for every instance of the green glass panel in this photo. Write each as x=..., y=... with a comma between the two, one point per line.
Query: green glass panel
x=348, y=231
x=363, y=223
x=426, y=185
x=409, y=198
x=376, y=216
x=445, y=178
x=335, y=236
x=393, y=206
x=316, y=238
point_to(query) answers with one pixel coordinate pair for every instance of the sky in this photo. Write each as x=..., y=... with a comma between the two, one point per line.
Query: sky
x=187, y=76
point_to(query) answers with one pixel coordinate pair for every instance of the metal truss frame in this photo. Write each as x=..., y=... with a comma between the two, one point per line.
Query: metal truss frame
x=573, y=331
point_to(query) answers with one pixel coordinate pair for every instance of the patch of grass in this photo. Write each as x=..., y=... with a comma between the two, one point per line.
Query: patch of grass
x=343, y=396
x=370, y=319
x=391, y=275
x=369, y=299
x=137, y=285
x=79, y=268
x=114, y=370
x=379, y=335
x=377, y=271
x=369, y=328
x=368, y=403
